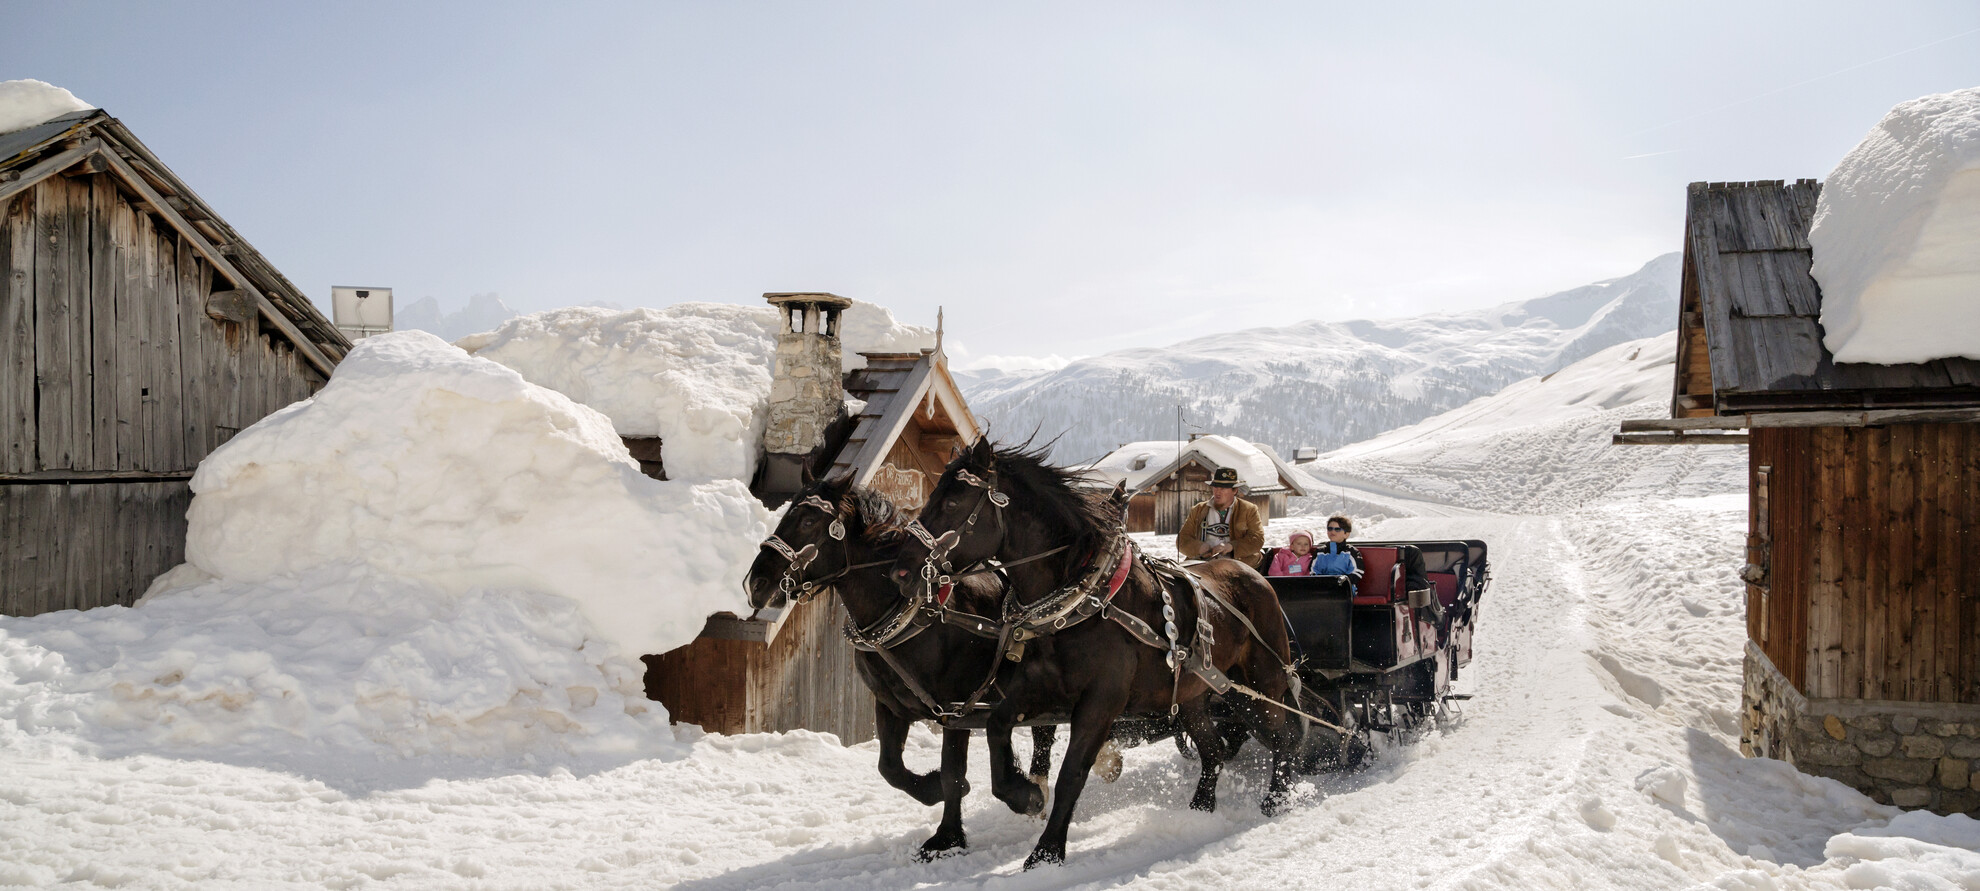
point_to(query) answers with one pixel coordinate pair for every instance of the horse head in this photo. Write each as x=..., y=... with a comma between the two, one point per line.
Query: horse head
x=963, y=521
x=809, y=545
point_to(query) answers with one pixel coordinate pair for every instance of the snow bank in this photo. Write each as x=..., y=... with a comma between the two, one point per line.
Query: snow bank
x=431, y=558
x=1897, y=237
x=697, y=375
x=423, y=462
x=25, y=103
x=306, y=671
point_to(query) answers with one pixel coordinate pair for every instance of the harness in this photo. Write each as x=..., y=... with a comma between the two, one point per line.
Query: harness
x=1072, y=604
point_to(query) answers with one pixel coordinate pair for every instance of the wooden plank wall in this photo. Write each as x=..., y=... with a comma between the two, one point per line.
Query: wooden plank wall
x=110, y=363
x=808, y=680
x=91, y=545
x=803, y=680
x=1874, y=584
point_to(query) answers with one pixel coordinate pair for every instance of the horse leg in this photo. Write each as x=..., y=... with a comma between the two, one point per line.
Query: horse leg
x=1279, y=731
x=1092, y=723
x=892, y=729
x=1042, y=738
x=1210, y=753
x=1021, y=793
x=949, y=836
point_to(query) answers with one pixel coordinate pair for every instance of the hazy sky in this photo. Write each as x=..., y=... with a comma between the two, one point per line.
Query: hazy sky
x=1066, y=178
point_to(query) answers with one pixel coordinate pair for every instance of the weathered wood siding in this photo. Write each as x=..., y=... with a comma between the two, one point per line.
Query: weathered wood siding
x=110, y=365
x=79, y=546
x=1873, y=560
x=802, y=679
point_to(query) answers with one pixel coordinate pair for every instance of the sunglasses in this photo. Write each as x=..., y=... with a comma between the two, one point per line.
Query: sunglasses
x=1335, y=529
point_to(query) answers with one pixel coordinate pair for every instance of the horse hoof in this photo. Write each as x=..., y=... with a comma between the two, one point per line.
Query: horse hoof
x=1272, y=806
x=1042, y=857
x=1108, y=763
x=1206, y=804
x=938, y=847
x=1044, y=797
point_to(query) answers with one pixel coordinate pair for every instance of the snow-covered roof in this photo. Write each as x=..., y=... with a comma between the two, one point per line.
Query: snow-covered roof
x=1751, y=308
x=696, y=375
x=1141, y=464
x=1896, y=237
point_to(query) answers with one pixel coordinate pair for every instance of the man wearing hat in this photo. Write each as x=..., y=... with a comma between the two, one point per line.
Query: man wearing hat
x=1224, y=526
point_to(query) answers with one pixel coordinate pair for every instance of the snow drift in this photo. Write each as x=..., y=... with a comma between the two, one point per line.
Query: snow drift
x=697, y=375
x=420, y=461
x=25, y=103
x=431, y=557
x=1896, y=238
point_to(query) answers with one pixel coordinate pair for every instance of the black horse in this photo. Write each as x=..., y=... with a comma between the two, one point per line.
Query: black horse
x=1009, y=504
x=836, y=536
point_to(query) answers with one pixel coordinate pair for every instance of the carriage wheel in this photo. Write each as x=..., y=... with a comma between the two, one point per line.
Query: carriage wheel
x=1323, y=748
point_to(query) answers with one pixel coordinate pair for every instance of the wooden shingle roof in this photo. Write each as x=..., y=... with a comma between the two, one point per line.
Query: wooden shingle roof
x=1750, y=302
x=99, y=141
x=893, y=386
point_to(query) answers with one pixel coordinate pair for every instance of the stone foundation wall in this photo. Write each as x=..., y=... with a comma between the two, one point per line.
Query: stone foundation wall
x=1909, y=754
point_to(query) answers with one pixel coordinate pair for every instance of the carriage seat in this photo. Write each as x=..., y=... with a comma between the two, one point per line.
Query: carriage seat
x=1381, y=577
x=1446, y=584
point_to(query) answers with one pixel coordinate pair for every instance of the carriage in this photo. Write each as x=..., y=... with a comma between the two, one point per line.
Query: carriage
x=1381, y=653
x=1377, y=656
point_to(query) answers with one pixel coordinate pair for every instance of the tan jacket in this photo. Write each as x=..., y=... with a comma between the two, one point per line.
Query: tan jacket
x=1247, y=532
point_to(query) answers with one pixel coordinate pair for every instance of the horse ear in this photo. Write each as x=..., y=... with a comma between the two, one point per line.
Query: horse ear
x=805, y=475
x=982, y=454
x=1120, y=493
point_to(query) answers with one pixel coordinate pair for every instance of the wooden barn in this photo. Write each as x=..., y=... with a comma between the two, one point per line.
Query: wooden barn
x=138, y=331
x=793, y=669
x=1863, y=545
x=1167, y=478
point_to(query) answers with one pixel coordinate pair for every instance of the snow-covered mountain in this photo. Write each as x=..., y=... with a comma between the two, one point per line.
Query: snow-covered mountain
x=483, y=312
x=1320, y=382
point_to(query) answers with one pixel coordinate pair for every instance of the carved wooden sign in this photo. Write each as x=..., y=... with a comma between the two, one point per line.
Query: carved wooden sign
x=907, y=488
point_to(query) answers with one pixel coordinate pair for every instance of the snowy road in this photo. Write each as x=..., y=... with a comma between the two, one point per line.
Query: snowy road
x=1537, y=787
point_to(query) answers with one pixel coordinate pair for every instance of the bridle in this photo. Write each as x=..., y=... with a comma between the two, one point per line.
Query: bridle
x=935, y=568
x=799, y=590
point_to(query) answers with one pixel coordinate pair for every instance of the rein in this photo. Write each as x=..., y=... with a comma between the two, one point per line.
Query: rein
x=1072, y=604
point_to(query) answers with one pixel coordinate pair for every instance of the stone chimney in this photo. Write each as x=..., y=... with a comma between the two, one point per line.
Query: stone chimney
x=807, y=391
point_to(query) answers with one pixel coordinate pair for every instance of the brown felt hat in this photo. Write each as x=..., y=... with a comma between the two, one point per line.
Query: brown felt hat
x=1224, y=478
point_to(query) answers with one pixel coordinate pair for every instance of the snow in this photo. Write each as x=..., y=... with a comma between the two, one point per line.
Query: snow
x=697, y=375
x=422, y=462
x=25, y=103
x=1896, y=238
x=1600, y=750
x=1136, y=463
x=1320, y=382
x=432, y=566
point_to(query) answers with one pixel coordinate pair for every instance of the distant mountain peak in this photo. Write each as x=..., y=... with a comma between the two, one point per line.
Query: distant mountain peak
x=1319, y=382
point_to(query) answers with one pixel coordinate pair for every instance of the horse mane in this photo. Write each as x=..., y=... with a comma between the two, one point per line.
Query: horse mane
x=1055, y=493
x=882, y=521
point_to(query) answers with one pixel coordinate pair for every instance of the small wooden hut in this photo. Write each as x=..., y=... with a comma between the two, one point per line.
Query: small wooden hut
x=793, y=669
x=1167, y=478
x=1863, y=545
x=138, y=332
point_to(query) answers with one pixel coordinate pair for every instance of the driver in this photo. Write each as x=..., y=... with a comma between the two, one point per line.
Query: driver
x=1224, y=526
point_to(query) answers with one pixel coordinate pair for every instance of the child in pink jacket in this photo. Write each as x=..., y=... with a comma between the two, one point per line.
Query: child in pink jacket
x=1296, y=558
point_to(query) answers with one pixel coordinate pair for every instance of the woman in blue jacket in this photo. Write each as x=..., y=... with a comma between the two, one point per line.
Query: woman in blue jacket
x=1337, y=557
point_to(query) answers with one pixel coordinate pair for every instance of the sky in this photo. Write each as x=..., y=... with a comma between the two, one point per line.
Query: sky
x=1064, y=179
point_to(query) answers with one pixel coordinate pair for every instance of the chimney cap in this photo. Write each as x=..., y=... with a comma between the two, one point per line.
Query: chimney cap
x=821, y=298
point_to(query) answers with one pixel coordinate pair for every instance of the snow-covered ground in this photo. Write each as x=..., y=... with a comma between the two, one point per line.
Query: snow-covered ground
x=1600, y=750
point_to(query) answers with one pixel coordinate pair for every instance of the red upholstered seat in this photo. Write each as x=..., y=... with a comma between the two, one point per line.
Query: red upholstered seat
x=1446, y=584
x=1381, y=577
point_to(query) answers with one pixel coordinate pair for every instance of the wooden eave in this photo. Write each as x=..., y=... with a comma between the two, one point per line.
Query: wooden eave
x=895, y=386
x=101, y=143
x=1748, y=294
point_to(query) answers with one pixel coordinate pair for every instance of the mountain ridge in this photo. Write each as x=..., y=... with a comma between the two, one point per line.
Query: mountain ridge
x=1318, y=382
